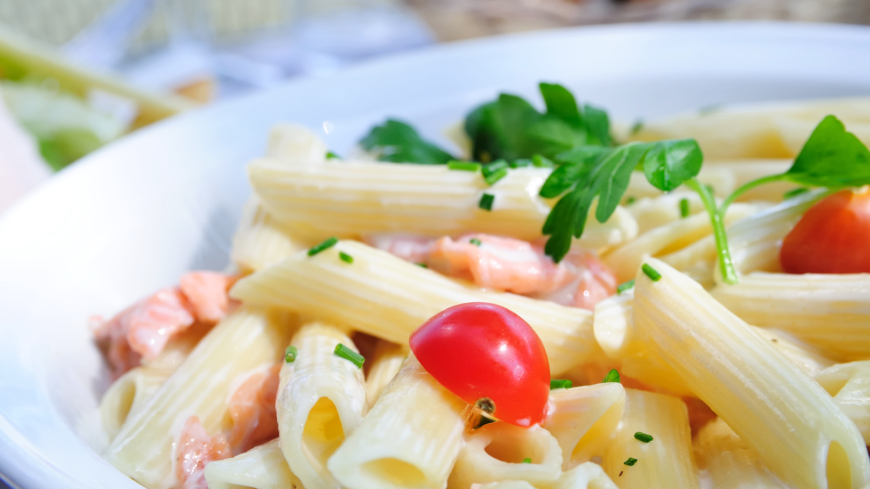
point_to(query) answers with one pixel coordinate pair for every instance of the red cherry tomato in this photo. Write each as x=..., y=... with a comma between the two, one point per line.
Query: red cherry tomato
x=480, y=350
x=832, y=237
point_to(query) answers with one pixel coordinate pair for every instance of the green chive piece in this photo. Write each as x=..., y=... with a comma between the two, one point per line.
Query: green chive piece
x=350, y=355
x=651, y=273
x=325, y=245
x=560, y=384
x=643, y=437
x=332, y=156
x=345, y=257
x=423, y=265
x=463, y=165
x=542, y=162
x=474, y=241
x=630, y=200
x=794, y=192
x=290, y=354
x=626, y=286
x=494, y=171
x=495, y=177
x=527, y=460
x=612, y=376
x=684, y=208
x=486, y=201
x=520, y=163
x=631, y=461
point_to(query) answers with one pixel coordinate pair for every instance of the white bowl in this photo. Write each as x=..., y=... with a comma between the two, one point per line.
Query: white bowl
x=135, y=215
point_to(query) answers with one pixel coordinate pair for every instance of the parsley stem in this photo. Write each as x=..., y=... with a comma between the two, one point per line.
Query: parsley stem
x=726, y=266
x=747, y=187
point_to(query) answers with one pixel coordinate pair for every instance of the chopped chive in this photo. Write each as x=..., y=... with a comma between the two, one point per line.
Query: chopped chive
x=795, y=192
x=636, y=127
x=684, y=208
x=486, y=201
x=345, y=257
x=475, y=241
x=494, y=171
x=542, y=162
x=495, y=177
x=626, y=286
x=332, y=156
x=520, y=163
x=527, y=460
x=290, y=354
x=423, y=265
x=329, y=243
x=643, y=437
x=631, y=461
x=560, y=384
x=651, y=272
x=612, y=376
x=350, y=355
x=463, y=165
x=630, y=200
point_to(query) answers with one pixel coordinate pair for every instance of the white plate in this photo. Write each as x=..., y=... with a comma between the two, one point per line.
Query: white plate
x=137, y=214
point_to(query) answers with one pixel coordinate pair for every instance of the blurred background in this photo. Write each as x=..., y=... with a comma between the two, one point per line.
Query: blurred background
x=77, y=74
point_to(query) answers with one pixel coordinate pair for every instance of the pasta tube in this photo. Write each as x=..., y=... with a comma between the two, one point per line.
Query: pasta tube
x=410, y=438
x=351, y=198
x=321, y=400
x=386, y=363
x=387, y=297
x=262, y=467
x=727, y=463
x=849, y=384
x=831, y=312
x=260, y=241
x=505, y=485
x=295, y=145
x=496, y=452
x=582, y=419
x=666, y=461
x=243, y=341
x=791, y=422
x=587, y=475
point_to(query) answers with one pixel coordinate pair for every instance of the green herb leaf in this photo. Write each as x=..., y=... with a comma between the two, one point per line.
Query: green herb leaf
x=539, y=161
x=832, y=157
x=684, y=208
x=348, y=354
x=398, y=142
x=560, y=384
x=597, y=125
x=324, y=245
x=494, y=171
x=794, y=192
x=670, y=163
x=574, y=166
x=631, y=461
x=612, y=376
x=626, y=286
x=332, y=156
x=475, y=241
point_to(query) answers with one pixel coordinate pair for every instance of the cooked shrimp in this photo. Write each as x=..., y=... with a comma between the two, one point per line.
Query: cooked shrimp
x=252, y=409
x=194, y=450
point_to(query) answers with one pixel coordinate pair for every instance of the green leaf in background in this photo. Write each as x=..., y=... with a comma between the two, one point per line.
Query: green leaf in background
x=670, y=163
x=597, y=125
x=398, y=142
x=831, y=157
x=66, y=146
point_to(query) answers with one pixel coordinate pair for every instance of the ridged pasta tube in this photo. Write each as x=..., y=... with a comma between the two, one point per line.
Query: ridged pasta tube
x=351, y=198
x=245, y=340
x=495, y=452
x=849, y=384
x=295, y=144
x=583, y=418
x=262, y=467
x=666, y=461
x=386, y=363
x=779, y=411
x=728, y=463
x=410, y=438
x=127, y=395
x=260, y=241
x=321, y=400
x=587, y=475
x=387, y=297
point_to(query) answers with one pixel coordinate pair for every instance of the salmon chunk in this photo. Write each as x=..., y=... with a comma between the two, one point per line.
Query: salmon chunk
x=194, y=450
x=252, y=409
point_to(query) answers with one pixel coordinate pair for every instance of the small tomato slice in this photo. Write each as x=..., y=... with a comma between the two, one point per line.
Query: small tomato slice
x=833, y=236
x=480, y=350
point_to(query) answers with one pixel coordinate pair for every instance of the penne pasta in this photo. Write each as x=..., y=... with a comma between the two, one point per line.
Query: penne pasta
x=245, y=340
x=385, y=296
x=262, y=467
x=410, y=438
x=666, y=461
x=810, y=359
x=260, y=241
x=321, y=400
x=386, y=363
x=127, y=395
x=775, y=408
x=728, y=463
x=295, y=145
x=587, y=475
x=849, y=384
x=583, y=418
x=496, y=452
x=505, y=485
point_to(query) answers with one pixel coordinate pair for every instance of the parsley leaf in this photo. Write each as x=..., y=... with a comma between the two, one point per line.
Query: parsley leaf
x=398, y=142
x=670, y=163
x=832, y=157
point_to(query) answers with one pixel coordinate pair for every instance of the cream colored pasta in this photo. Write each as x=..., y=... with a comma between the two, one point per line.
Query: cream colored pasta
x=245, y=340
x=386, y=363
x=666, y=461
x=496, y=452
x=127, y=395
x=261, y=241
x=385, y=296
x=321, y=400
x=262, y=467
x=774, y=407
x=849, y=384
x=583, y=418
x=295, y=145
x=410, y=438
x=728, y=463
x=587, y=475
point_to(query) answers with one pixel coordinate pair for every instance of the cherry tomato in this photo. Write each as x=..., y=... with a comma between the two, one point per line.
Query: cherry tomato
x=484, y=351
x=832, y=237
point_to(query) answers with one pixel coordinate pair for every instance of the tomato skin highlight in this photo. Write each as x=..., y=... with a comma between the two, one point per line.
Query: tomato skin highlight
x=833, y=236
x=478, y=350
